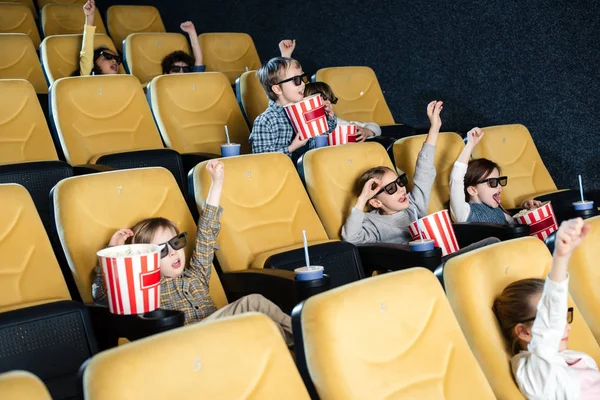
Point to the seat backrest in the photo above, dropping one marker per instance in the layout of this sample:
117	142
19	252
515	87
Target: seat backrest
65	19
267	208
448	147
17	18
28	3
43	3
30	274
331	174
60	54
384	348
251	96
89	209
19	60
248	349
144	52
360	96
473	281
96	115
191	111
512	147
125	20
585	277
229	53
24	134
19	385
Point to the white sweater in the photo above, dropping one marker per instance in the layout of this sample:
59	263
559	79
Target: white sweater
542	371
369	125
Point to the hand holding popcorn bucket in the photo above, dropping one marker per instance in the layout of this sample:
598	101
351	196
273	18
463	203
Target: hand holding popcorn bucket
343	134
131	278
308	117
436	227
541	220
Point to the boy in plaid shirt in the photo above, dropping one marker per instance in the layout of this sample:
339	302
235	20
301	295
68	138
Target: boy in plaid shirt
187	288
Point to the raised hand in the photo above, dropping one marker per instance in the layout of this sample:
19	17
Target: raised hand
474	136
433	112
89	9
119	237
216	169
286	47
569	236
188	27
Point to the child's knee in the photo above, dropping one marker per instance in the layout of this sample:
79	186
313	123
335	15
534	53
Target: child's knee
255	300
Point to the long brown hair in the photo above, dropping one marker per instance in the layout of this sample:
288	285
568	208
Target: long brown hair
145	229
514	305
376	172
478	170
319	88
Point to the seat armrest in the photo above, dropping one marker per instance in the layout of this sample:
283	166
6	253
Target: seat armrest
86	169
110	327
471	232
190	160
397	131
394	257
562	204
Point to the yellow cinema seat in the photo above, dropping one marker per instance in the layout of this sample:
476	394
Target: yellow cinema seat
20	385
66	19
251	96
19	60
229	53
18	18
125	20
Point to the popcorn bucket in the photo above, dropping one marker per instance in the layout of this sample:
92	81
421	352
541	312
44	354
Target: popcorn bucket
131	277
343	134
438	228
308	116
541	220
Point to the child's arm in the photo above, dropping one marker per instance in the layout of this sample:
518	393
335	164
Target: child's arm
286	48
366	130
265	138
459	207
531	204
425	169
189	28
354	230
86	55
208	224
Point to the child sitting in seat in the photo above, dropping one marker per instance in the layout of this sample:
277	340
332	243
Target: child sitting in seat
475	188
187	288
384	193
364	130
535	320
180	62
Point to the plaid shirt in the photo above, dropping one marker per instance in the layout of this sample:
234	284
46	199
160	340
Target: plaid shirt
272	131
188	292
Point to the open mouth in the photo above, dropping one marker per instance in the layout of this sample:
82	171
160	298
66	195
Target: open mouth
565	339
403	198
176	264
497	198
114	67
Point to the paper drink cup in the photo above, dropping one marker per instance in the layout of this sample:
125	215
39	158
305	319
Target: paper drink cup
421	245
583	205
343	134
131	277
541	220
308	116
437	227
308	274
321	141
230	150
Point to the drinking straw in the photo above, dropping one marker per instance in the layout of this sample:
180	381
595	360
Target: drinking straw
417	220
247	69
581	189
227	134
306	250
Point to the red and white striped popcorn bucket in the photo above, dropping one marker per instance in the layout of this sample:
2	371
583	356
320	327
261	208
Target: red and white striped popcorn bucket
308	116
542	221
131	277
437	227
343	134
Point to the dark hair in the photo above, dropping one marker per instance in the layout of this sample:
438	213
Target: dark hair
514	305
318	87
376	172
145	229
271	72
477	170
95	68
174	57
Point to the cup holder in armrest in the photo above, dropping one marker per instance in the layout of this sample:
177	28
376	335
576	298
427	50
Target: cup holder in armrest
306	289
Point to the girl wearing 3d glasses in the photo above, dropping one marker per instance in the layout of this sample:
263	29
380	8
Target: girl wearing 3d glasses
476	186
183	286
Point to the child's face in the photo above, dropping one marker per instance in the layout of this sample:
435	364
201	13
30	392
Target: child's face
108	62
390	203
288	92
172	265
484	193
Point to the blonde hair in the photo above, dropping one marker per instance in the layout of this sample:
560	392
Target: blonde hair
145	229
514	305
376	172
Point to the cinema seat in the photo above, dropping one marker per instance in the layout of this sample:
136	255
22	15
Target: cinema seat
20	61
17	18
60	54
473	280
229	53
361	99
19	385
125	20
267	209
248	349
251	96
43	3
65	19
144	52
512	147
363	341
28	3
191	111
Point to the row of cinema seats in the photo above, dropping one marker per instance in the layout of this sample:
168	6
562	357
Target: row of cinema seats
357	341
